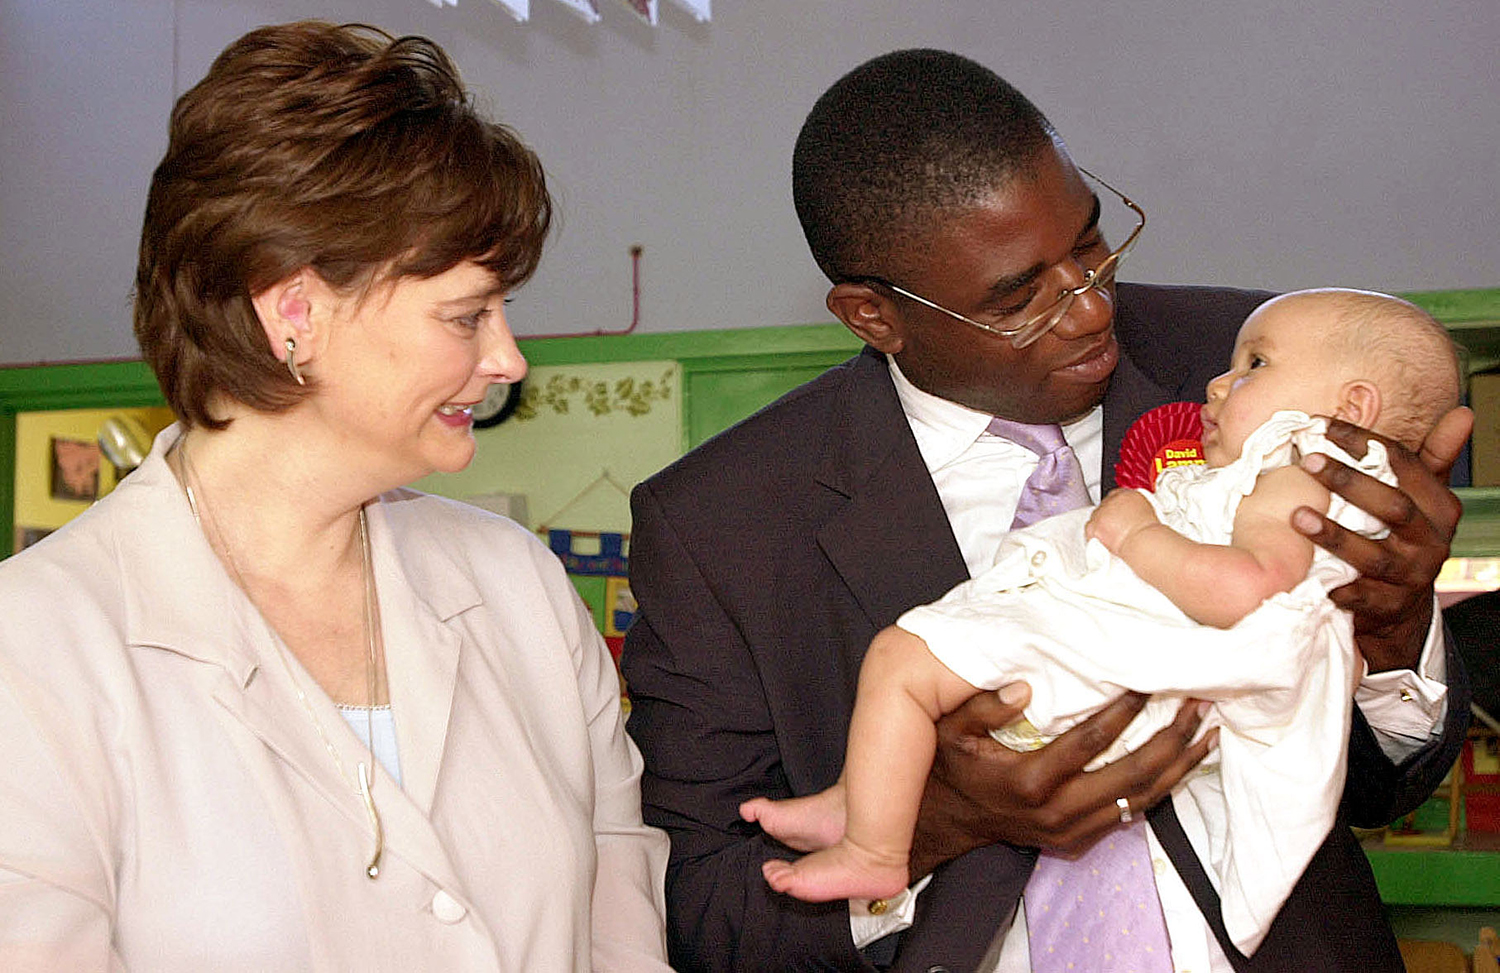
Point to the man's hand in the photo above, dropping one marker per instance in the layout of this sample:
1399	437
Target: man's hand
1392	598
981	791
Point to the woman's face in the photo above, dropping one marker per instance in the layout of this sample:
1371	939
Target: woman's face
403	366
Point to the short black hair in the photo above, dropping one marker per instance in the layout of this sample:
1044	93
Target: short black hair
896	143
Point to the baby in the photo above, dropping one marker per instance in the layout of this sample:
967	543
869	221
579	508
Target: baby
1229	606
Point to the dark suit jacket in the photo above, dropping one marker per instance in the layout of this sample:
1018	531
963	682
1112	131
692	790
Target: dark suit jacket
765	561
1474	627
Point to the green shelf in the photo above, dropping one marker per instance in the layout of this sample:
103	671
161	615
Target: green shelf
1457	876
1478	533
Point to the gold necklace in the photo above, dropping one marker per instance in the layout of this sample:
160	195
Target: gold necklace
188	475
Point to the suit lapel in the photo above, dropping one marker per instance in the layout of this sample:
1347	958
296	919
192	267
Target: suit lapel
886	511
890	507
1130	393
420	589
269	709
422	652
179	599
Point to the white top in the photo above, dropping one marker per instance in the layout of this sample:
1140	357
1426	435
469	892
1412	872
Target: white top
377	724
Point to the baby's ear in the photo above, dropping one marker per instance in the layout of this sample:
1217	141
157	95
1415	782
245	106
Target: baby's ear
1359	403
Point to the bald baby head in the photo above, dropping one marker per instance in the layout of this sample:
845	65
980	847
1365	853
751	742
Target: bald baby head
1393	343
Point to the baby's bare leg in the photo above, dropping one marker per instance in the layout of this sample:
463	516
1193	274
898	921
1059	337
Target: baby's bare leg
843	871
903	690
804	823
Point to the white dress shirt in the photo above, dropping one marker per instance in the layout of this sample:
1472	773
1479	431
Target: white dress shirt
979	478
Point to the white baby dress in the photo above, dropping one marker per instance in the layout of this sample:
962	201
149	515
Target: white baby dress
1080	627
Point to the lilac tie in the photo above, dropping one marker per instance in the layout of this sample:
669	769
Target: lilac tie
1056	485
1098	912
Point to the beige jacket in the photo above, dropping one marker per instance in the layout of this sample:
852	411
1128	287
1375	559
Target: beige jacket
166	802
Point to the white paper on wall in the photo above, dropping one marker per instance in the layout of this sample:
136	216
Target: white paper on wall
587	9
698	8
647	10
519	9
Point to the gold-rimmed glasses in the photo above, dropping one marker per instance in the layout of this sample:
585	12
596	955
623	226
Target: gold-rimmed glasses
1039	323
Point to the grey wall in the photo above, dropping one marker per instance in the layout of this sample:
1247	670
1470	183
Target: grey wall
1277	143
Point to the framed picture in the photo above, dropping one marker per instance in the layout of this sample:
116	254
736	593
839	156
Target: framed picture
75	469
619	606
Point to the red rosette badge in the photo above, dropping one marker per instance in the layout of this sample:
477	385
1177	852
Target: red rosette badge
1169	435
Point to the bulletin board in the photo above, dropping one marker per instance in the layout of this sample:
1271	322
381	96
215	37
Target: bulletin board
60	468
718	377
564	461
580	437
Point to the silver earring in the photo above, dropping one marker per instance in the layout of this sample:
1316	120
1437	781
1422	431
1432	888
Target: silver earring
291	361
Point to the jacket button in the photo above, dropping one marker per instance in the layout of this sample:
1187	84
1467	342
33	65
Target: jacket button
446	908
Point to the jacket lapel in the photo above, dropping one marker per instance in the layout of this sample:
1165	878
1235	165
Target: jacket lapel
885	510
1130	393
180	599
886	506
422	651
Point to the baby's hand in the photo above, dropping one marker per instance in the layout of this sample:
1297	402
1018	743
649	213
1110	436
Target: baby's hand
1119	515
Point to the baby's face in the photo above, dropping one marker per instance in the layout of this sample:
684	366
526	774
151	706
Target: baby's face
1282	360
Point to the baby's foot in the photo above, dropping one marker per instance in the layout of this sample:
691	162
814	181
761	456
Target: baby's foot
841	871
804	823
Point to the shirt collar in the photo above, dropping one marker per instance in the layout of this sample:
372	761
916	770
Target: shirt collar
944	430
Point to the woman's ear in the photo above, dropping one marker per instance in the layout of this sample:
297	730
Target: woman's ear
286	311
1359	403
869	314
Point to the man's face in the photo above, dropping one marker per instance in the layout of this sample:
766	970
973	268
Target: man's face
999	263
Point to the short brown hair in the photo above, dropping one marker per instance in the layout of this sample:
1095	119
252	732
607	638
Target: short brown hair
338	148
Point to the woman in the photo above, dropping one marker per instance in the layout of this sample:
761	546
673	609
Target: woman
278	714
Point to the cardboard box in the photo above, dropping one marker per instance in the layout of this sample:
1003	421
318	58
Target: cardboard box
1481	757
1484	399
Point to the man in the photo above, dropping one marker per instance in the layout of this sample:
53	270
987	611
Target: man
963	247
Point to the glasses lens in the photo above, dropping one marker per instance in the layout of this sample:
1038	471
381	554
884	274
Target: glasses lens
1119	225
1043	322
1105	272
1100	276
